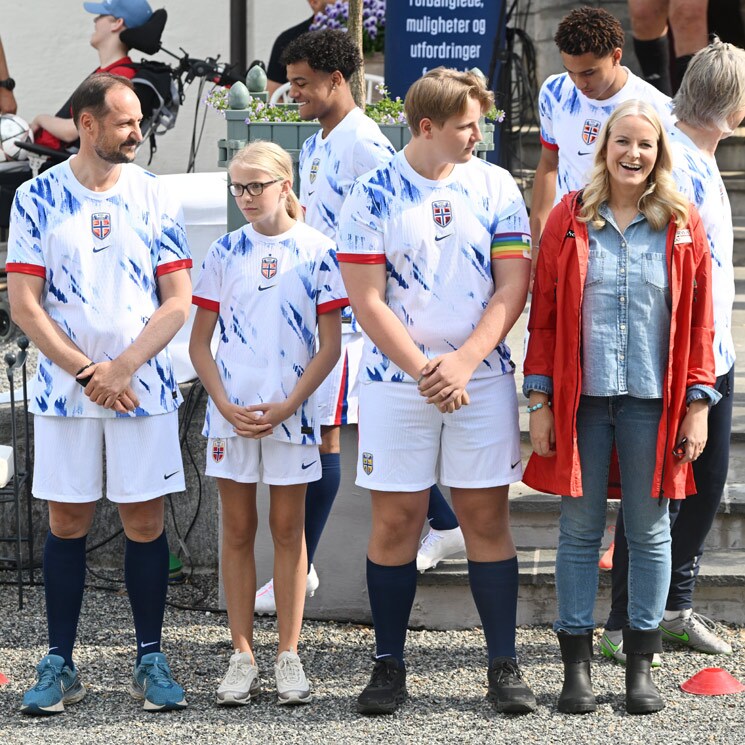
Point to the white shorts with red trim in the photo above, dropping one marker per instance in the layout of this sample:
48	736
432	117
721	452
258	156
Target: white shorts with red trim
274	462
337	396
406	444
143	458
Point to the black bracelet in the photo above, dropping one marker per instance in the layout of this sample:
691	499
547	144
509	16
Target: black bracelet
84	381
84	367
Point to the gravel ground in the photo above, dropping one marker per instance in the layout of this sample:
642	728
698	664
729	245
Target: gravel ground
447	684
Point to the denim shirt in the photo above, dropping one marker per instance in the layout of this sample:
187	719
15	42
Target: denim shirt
625	315
625	310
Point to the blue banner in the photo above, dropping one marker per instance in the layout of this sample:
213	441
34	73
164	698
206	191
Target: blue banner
422	34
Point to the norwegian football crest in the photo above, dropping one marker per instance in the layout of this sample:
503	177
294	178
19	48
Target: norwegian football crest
268	266
590	131
218	450
442	212
314	169
367	463
101	224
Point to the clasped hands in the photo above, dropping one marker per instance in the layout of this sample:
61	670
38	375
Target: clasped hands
109	385
442	381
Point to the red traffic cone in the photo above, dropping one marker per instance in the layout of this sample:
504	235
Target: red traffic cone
712	681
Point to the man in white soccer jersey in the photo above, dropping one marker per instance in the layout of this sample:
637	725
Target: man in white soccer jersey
349	144
98	279
435	253
574	105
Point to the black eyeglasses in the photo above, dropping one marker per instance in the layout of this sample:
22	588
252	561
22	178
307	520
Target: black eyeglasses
256	189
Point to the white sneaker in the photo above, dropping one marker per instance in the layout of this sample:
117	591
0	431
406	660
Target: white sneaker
241	683
292	685
438	545
264	604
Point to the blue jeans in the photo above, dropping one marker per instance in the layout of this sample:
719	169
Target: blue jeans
632	423
690	519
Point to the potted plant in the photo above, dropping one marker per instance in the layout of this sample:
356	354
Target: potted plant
281	123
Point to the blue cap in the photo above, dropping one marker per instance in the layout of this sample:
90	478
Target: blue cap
133	12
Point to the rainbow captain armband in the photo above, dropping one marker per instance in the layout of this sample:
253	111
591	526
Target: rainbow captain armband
510	246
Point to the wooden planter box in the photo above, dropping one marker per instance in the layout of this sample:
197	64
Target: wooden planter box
292	135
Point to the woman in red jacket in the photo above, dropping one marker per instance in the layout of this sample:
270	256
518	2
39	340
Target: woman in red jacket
619	356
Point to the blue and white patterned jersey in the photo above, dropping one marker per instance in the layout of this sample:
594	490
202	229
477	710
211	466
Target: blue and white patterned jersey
268	292
571	122
328	168
437	240
101	254
698	177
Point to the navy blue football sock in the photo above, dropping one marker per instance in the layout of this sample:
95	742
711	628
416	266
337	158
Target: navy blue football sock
494	590
439	513
64	580
146	578
319	499
391	591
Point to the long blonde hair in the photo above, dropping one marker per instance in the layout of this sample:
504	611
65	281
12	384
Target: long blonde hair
272	159
661	199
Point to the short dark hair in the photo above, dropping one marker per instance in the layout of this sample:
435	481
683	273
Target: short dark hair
326	51
589	31
90	95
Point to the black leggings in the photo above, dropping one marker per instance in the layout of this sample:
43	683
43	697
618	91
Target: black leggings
690	518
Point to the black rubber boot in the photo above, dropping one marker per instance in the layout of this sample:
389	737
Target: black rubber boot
642	697
576	694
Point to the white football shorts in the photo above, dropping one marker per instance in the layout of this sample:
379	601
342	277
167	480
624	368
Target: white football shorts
337	396
243	459
143	458
406	444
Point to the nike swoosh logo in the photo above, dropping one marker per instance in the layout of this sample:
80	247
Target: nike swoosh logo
589	152
168	476
613	647
311	193
307	465
515	464
98	249
440	237
266	287
680	637
149	644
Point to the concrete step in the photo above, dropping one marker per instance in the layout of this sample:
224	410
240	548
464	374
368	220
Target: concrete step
720	590
535	516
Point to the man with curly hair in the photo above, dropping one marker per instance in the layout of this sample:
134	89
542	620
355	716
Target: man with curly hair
349	144
574	105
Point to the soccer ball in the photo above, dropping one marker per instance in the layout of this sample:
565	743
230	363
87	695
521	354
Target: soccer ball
13	128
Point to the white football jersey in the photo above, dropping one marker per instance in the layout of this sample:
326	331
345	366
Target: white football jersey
101	254
698	177
328	168
437	240
571	122
268	292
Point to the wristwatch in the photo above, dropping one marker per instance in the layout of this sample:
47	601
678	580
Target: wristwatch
8	83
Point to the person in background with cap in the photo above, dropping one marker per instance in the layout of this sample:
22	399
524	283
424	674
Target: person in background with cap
111	18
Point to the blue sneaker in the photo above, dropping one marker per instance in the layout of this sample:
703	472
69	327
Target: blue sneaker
57	685
152	682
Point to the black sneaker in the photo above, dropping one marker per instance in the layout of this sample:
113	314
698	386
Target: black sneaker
507	689
386	690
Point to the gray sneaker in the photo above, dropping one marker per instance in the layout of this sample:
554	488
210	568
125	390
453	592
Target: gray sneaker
695	631
241	683
292	685
611	645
